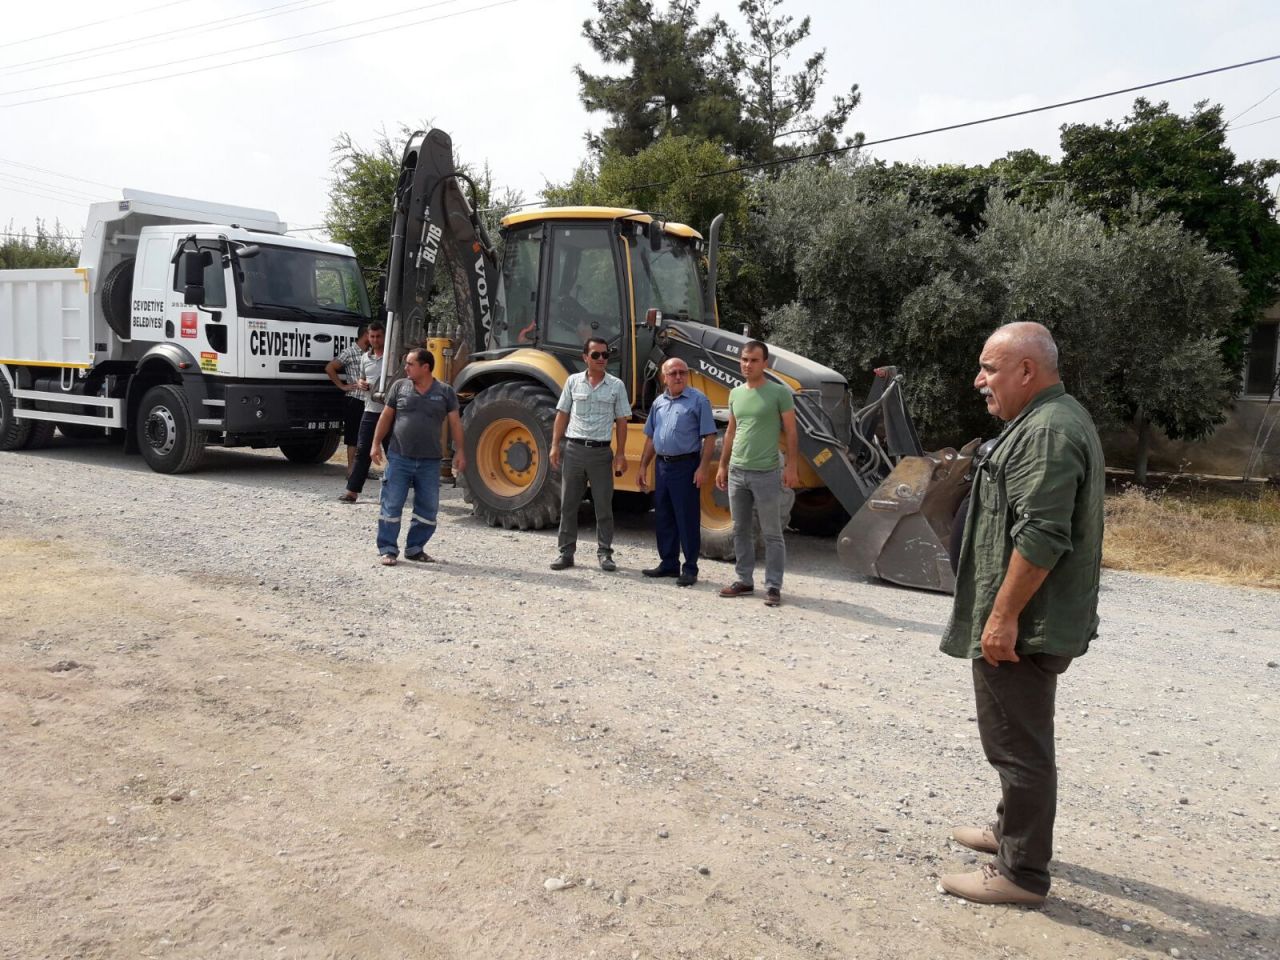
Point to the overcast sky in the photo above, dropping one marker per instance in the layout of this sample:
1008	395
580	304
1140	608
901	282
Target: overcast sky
498	76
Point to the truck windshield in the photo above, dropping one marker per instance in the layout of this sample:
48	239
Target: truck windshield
285	283
667	278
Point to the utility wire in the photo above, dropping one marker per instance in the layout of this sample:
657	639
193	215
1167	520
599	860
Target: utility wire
223	53
968	123
66	191
32	236
266	56
54	173
44	196
95	23
1254	123
132	43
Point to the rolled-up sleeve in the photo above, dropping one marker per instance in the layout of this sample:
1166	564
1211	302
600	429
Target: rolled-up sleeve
1041	481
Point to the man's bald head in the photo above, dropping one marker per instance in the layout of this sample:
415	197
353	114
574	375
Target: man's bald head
1018	361
1031	340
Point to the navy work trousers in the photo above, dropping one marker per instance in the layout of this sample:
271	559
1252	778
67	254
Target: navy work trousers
678	516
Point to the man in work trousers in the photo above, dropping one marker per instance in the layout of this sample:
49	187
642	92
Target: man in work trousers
680	434
593	406
1026	599
760	412
347	364
417	408
370	374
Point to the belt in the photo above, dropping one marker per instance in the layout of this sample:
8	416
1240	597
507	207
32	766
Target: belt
589	443
677	457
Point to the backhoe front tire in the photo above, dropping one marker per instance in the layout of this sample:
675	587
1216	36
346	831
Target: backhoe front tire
509	481
167	435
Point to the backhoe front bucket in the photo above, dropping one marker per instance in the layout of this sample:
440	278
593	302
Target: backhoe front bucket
901	533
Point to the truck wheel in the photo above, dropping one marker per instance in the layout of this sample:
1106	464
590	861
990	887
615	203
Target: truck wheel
167	436
117	287
818	512
509	480
313	449
41	434
13	432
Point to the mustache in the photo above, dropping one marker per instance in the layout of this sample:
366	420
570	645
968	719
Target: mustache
984	391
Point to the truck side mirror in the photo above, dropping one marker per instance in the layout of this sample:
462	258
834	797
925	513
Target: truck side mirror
193	264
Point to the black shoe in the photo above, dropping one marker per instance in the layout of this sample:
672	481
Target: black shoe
659	572
607	564
686	580
562	562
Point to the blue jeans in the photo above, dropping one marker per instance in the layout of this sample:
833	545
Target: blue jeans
424	476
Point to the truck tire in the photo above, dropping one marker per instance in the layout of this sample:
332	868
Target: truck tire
167	436
41	434
117	288
313	449
717	522
509	481
13	432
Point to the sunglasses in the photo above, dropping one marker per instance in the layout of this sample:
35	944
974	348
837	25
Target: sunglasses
677	373
599	354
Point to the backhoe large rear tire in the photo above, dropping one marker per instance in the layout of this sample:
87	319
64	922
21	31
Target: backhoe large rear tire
509	481
818	512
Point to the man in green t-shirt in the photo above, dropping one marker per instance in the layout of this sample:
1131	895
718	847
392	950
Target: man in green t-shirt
761	412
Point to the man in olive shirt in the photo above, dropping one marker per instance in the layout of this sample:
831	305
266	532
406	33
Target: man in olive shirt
1026	599
760	413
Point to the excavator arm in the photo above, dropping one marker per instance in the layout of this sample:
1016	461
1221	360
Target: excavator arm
435	227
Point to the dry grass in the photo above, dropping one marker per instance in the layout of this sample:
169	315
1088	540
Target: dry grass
1223	533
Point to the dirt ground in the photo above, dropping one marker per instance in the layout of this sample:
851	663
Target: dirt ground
228	732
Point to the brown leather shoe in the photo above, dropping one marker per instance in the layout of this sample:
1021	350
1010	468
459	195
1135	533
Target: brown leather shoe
982	839
737	589
988	885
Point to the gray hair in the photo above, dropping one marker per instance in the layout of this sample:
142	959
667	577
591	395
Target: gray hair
1031	340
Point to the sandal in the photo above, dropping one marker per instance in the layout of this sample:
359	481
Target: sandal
347	498
389	560
421	557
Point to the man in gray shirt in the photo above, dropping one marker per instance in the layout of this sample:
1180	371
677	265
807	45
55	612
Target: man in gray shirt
416	411
370	373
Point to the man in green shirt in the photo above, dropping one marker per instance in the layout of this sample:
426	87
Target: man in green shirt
1026	599
760	413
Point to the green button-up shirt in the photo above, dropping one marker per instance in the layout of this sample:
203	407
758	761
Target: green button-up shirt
1041	493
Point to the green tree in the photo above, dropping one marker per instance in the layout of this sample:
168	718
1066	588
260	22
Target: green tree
1181	166
20	250
680	78
778	107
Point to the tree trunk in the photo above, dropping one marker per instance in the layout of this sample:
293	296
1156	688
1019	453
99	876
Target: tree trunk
1143	449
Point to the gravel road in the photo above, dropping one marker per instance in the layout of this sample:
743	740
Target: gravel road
230	731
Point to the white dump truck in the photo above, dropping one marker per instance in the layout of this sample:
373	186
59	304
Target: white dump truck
186	324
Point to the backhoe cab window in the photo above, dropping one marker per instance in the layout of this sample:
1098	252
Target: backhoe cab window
585	298
515	320
282	283
668	278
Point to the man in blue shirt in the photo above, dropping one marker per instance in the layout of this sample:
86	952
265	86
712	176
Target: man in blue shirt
681	435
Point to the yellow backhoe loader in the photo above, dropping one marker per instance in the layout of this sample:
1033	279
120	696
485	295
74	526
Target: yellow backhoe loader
648	288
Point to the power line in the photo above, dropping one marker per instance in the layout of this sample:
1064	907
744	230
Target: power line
43	196
54	173
208	26
967	123
222	53
95	23
266	56
71	192
1254	123
31	236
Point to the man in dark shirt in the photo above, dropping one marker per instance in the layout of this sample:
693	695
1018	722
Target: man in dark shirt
1026	599
416	410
